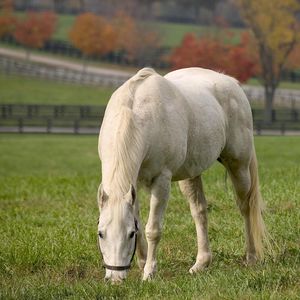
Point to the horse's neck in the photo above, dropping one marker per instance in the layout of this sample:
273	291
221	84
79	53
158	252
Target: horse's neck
119	179
126	149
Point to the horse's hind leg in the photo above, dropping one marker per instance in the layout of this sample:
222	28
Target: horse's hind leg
193	191
245	180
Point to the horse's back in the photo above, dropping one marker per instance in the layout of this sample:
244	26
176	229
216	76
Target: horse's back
222	94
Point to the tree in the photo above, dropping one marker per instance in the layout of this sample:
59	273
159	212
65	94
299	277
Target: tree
138	42
241	61
93	35
7	19
293	61
35	29
275	29
211	53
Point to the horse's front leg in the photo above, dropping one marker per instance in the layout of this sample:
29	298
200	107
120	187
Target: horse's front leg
160	191
193	190
141	243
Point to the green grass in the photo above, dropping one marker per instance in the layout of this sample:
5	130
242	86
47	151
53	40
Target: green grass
48	227
24	90
282	85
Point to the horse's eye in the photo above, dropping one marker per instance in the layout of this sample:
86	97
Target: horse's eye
131	235
100	235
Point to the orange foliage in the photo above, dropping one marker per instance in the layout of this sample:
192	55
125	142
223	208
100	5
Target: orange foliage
35	29
93	34
293	60
7	20
126	30
139	43
207	52
6	5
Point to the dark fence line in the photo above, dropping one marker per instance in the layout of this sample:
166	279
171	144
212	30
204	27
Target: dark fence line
87	119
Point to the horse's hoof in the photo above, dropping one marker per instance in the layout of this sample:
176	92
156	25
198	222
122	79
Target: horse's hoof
149	272
201	263
148	277
251	259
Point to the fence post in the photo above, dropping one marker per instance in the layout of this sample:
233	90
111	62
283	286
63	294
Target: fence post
76	126
258	128
282	128
273	115
3	109
294	115
49	125
20	125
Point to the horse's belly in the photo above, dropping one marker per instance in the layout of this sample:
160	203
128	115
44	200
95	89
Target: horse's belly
196	164
206	141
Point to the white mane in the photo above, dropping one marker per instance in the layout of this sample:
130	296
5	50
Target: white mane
122	151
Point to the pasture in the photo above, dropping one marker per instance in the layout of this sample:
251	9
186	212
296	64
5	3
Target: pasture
23	90
48	217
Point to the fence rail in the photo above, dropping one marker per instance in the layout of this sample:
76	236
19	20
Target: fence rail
12	66
88	118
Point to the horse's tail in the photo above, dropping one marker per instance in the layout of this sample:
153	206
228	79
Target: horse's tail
256	207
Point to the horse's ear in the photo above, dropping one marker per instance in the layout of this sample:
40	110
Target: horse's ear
131	195
102	196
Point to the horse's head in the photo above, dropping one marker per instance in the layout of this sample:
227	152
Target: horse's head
117	233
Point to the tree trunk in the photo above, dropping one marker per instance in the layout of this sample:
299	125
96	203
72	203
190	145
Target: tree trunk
81	6
197	12
269	97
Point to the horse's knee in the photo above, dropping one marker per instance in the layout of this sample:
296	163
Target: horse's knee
198	211
152	234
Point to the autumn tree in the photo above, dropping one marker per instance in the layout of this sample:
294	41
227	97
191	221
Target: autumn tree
209	52
93	35
274	26
293	61
7	18
139	43
35	29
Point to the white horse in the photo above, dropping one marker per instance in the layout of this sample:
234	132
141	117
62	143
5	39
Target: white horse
161	129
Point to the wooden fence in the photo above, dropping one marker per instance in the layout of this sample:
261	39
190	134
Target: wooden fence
12	66
84	119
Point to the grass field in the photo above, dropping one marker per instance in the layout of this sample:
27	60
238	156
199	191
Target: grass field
24	90
48	227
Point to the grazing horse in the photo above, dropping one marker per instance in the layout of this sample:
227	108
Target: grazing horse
161	129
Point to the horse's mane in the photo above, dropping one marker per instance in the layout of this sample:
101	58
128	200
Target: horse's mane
128	146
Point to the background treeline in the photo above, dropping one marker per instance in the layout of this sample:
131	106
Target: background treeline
122	32
188	11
